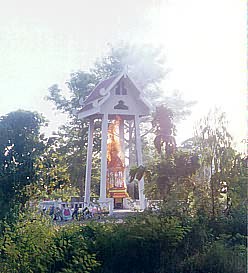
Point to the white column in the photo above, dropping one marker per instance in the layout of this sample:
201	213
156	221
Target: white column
140	161
122	143
104	157
89	162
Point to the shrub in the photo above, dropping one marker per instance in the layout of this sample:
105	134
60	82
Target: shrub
35	245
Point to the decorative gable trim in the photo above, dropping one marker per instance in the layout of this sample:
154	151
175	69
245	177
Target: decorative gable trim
101	93
146	102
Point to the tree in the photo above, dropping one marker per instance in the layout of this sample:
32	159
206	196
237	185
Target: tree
20	147
221	175
51	171
145	65
221	165
170	177
164	130
72	136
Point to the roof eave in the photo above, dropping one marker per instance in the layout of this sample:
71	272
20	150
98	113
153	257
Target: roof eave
88	113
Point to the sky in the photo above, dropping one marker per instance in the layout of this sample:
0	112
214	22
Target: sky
204	42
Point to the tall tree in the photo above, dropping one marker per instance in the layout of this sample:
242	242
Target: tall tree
164	130
170	176
20	146
145	65
219	160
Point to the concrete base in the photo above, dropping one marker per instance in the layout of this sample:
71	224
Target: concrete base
107	204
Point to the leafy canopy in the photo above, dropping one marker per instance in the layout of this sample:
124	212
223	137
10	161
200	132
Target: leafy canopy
20	146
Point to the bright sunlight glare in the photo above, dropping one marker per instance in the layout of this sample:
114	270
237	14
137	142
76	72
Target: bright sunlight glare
203	42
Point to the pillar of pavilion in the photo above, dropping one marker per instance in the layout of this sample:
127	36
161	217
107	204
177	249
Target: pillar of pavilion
116	101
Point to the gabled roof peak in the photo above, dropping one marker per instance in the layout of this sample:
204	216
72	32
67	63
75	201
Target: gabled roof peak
100	96
100	89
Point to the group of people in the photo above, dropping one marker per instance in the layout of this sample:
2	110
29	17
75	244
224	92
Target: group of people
66	214
82	214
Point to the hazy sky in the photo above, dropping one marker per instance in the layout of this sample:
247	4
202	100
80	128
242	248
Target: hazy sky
204	42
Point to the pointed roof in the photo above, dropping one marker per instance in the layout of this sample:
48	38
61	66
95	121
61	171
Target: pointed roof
99	92
100	95
95	94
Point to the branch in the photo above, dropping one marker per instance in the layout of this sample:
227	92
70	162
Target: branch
147	132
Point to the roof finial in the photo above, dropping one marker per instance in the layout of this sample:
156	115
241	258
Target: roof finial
125	70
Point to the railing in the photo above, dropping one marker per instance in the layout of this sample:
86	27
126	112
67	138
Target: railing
132	204
105	206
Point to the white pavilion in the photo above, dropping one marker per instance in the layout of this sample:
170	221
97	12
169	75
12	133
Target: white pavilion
115	101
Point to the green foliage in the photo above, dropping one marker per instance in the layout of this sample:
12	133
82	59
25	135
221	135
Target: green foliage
72	252
213	245
151	242
51	170
73	135
137	173
80	84
142	244
34	245
166	242
164	130
27	245
145	65
221	166
20	146
171	179
181	236
217	258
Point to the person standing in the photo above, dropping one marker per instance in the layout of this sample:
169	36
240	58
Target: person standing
75	213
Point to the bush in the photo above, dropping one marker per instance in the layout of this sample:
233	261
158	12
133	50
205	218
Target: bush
35	245
143	244
217	258
151	242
